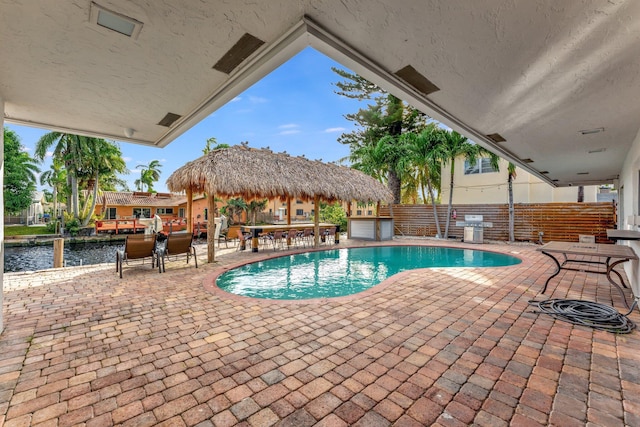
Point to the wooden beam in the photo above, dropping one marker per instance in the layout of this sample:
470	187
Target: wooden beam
189	210
211	227
316	221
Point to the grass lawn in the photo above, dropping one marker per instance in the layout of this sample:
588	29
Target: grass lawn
22	230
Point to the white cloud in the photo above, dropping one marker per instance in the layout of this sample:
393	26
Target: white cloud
24	149
332	130
257	100
289	126
289	132
236	99
127	159
49	154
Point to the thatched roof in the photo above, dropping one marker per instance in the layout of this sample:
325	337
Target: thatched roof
240	171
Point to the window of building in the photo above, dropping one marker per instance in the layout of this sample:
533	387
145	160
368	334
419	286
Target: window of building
299	212
164	211
483	165
299	202
181	213
359	212
369	213
206	214
142	212
110	213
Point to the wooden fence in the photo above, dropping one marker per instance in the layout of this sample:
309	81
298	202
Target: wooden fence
557	221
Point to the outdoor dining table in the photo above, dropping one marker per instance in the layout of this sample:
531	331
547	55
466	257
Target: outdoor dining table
255	231
577	256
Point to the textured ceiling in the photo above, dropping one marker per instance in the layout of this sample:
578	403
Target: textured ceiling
534	72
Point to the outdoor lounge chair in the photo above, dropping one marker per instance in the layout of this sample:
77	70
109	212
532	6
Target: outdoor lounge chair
137	247
177	244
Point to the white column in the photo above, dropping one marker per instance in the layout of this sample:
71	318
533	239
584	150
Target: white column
1	212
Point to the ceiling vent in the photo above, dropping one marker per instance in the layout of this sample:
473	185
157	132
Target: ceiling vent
597	150
496	137
526	160
238	53
417	80
169	119
582	173
108	21
591	131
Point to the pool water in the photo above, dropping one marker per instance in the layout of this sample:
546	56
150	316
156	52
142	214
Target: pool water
341	272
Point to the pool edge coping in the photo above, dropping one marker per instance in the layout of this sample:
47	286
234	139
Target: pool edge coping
209	282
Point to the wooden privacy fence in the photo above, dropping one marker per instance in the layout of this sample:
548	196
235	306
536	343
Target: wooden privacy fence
557	221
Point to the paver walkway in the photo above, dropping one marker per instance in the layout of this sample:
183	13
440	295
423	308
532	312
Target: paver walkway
450	347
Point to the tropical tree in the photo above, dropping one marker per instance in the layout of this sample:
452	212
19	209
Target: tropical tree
511	171
212	144
254	207
102	159
427	153
67	149
455	145
235	207
55	177
148	175
19	175
388	117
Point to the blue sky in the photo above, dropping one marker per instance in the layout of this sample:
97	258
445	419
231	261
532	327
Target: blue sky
293	109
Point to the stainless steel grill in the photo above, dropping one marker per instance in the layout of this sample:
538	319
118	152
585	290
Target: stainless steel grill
473	228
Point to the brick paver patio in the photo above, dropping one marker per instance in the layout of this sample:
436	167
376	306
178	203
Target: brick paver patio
450	347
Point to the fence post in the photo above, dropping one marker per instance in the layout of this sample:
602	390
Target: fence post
58	252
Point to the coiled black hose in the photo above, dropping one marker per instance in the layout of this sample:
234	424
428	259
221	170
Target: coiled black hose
586	313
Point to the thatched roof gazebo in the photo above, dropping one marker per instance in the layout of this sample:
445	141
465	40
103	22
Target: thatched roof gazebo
251	173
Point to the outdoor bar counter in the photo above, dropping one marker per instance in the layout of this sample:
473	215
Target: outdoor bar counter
376	228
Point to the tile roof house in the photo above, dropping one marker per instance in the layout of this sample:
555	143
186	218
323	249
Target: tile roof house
125	205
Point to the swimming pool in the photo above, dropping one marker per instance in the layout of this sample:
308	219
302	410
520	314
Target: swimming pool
347	271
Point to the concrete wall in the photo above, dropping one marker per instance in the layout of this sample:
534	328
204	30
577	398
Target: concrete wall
1	213
628	205
492	187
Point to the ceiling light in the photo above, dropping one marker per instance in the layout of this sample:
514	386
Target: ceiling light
128	132
590	131
107	19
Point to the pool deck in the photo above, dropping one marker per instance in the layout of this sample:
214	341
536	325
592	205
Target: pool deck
445	346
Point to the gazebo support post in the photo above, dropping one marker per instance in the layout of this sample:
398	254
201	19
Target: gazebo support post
211	227
288	219
316	221
189	192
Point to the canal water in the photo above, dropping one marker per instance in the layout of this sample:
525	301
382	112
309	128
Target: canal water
34	258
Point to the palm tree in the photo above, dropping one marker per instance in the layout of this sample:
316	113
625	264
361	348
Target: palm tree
55	178
511	170
102	159
67	150
254	207
149	174
236	207
455	145
427	153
